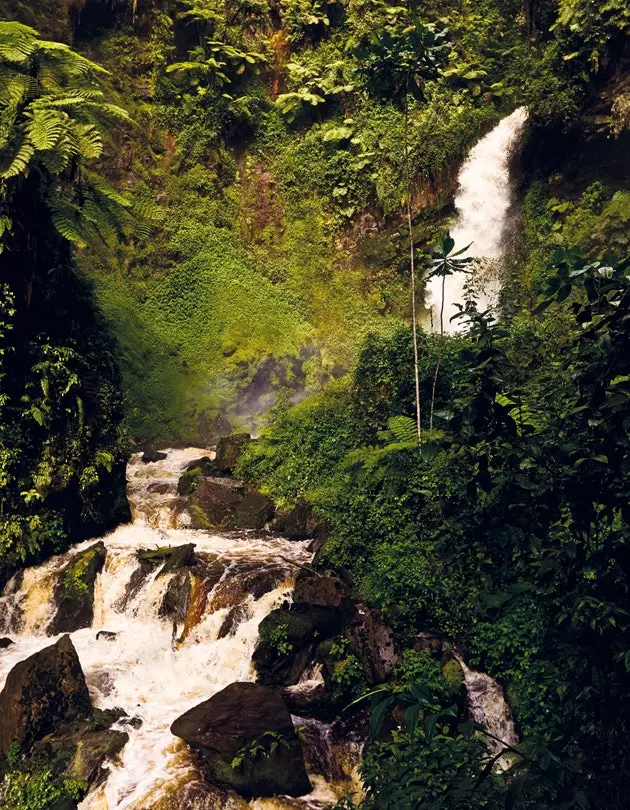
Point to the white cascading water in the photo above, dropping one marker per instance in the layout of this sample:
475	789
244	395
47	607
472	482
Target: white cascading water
482	203
151	669
487	705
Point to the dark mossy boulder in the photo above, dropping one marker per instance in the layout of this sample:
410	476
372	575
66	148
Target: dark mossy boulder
213	505
41	693
74	593
151	456
235	616
80	751
287	640
372	641
326	591
229	730
300	523
106	635
188	481
229	450
254	511
172	558
205	465
176	599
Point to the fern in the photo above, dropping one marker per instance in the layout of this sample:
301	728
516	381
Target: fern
52	119
403	429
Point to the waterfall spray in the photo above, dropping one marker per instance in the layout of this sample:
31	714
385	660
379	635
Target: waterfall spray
482	203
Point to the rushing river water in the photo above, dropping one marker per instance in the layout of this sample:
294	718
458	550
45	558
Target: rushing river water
152	668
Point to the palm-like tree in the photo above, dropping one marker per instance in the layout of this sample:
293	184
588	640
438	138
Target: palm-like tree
52	119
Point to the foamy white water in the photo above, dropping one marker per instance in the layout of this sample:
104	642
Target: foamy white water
152	669
487	705
483	202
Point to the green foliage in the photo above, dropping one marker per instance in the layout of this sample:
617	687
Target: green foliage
263	747
278	639
52	115
39	790
511	538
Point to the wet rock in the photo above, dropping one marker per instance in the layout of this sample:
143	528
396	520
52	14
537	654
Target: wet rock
172	557
5	642
229	450
428	642
205	465
40	693
314	589
372	642
308	700
106	635
188	482
159	487
300	523
213	505
236	615
74	593
79	751
177	598
151	456
226	728
254	511
287	640
134	722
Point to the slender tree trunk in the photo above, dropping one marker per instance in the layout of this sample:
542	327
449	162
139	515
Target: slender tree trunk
442	307
435	379
412	264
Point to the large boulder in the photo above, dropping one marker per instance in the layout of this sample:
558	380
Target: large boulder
229	450
315	589
221	504
287	640
213	505
246	738
372	641
300	523
151	456
42	692
254	511
74	593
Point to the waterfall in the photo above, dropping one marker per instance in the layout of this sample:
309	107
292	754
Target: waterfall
487	705
482	203
145	665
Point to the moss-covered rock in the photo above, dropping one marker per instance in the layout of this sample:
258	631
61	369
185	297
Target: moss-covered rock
229	450
246	738
300	523
172	558
40	693
254	511
213	505
74	593
287	641
325	591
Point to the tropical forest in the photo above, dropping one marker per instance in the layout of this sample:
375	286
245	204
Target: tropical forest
314	405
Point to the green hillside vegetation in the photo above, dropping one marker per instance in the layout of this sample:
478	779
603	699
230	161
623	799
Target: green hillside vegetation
203	227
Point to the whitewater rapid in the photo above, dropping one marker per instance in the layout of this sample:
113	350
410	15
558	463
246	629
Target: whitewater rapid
152	669
482	203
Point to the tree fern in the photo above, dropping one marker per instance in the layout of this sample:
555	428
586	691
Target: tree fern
52	119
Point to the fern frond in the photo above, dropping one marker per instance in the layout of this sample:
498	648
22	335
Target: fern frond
18	163
403	429
17	43
44	128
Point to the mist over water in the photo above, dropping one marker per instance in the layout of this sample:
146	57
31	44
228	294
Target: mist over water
483	203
